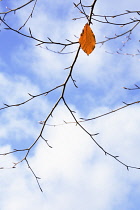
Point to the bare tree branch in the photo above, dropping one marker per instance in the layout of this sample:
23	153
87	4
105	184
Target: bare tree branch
133	22
18	8
91	136
30	16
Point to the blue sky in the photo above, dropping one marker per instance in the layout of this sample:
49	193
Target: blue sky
75	173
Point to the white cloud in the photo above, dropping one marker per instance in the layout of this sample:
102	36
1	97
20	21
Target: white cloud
75	173
23	119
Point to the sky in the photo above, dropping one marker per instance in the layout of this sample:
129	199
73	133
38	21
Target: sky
75	173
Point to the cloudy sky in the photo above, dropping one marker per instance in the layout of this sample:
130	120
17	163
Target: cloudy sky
75	173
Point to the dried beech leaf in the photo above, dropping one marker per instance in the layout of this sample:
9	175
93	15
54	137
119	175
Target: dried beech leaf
87	40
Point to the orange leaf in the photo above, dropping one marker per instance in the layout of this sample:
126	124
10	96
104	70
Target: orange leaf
87	40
